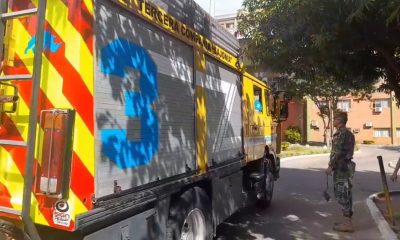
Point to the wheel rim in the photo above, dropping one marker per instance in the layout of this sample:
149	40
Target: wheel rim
194	226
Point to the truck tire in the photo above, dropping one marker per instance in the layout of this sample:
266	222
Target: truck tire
265	199
190	216
9	232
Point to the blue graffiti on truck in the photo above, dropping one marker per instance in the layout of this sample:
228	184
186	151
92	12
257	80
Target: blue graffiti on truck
49	43
116	57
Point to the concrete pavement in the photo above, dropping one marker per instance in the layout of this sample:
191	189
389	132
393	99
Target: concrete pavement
299	211
385	229
360	220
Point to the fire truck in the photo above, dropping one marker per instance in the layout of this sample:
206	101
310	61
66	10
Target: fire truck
128	119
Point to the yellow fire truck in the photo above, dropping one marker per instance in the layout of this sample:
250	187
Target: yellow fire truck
126	119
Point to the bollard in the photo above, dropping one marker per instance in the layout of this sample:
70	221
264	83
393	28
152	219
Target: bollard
386	190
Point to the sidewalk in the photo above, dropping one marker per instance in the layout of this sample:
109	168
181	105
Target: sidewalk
364	225
377	207
367	220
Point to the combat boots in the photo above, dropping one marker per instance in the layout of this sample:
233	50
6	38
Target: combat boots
345	226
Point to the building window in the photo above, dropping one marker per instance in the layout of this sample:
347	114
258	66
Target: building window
344	105
322	103
398	132
229	25
383	103
381	132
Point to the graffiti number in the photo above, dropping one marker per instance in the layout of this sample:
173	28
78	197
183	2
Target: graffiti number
115	58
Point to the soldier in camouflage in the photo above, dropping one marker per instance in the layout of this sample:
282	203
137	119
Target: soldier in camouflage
343	168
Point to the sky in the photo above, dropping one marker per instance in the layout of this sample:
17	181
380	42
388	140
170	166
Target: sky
221	6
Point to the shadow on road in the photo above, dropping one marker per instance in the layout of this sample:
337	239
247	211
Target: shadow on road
299	211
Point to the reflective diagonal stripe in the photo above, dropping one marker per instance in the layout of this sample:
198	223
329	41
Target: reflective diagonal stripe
82	101
57	73
79	170
85	138
11	179
67	82
5	200
25	88
76	52
5	196
84	145
82	182
89	6
82	20
14	179
77	204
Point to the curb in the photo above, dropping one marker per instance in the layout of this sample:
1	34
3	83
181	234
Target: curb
310	155
382	224
305	156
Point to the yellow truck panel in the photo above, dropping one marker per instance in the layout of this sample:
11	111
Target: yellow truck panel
257	117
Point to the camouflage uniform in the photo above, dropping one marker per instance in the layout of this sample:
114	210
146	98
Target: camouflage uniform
343	168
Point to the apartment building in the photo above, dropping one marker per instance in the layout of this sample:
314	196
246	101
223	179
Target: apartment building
230	22
376	120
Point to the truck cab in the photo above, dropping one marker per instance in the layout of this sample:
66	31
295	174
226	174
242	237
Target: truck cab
257	117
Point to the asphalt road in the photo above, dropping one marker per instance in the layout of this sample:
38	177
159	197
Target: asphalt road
299	211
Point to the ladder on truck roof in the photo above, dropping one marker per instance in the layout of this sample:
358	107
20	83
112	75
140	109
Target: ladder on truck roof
40	11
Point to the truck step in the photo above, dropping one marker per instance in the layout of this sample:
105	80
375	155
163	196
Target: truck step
13	143
15	77
18	14
10	211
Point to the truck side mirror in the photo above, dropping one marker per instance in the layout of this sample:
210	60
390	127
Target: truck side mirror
280	109
276	108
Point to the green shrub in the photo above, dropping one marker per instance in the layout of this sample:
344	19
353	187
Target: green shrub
293	134
368	142
285	145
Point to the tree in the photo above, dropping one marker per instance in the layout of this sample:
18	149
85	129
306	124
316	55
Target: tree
325	95
349	43
392	11
385	40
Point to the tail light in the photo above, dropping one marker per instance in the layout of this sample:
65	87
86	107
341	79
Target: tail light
56	151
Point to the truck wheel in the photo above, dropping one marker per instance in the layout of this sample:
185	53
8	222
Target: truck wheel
265	198
9	232
190	216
